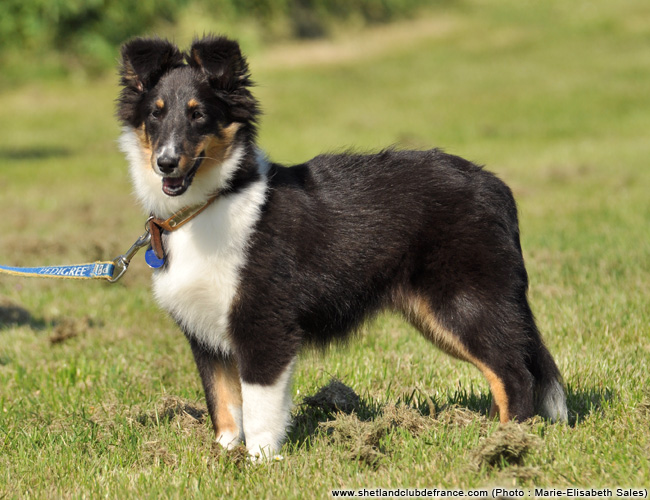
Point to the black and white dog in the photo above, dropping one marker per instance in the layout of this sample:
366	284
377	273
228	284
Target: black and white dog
277	257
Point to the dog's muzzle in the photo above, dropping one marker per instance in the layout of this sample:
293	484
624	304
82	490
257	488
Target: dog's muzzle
174	182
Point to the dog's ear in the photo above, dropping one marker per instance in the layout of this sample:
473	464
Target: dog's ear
221	60
144	62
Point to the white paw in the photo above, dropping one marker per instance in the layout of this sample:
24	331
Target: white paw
261	449
229	440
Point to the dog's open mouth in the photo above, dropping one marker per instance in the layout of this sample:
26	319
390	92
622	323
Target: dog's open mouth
176	186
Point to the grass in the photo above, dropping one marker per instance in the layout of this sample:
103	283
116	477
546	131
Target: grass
98	392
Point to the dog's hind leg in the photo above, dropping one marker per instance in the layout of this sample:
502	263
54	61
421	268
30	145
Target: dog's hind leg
550	397
498	350
220	378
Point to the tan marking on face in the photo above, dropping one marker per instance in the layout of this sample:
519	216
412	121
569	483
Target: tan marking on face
147	147
216	149
145	142
228	391
160	104
192	103
419	313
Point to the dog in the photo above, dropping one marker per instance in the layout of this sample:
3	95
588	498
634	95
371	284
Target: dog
278	257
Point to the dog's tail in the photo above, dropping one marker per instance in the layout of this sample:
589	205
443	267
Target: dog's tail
550	396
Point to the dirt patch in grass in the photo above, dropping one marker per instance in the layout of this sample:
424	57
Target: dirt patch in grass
365	439
174	410
69	328
236	457
181	413
355	425
361	428
459	416
509	445
361	439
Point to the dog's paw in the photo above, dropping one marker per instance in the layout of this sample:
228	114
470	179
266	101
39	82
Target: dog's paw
262	452
229	440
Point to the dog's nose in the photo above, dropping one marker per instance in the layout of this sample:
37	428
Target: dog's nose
167	163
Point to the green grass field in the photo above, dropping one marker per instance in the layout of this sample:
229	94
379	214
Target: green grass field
98	391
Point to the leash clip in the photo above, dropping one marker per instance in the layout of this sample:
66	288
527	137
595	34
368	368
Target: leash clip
122	262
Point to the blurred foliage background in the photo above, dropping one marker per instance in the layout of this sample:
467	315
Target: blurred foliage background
82	36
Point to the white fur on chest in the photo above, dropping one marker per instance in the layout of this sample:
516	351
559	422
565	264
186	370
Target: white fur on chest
206	257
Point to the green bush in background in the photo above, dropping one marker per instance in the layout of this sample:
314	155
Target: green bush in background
86	33
87	29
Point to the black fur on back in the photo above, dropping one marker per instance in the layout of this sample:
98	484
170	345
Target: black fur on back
342	234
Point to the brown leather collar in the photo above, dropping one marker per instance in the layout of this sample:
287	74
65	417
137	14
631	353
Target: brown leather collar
179	219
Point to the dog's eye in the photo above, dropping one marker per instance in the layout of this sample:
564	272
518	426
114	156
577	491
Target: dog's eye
196	115
156	113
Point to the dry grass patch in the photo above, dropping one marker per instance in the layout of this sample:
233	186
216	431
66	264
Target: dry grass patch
509	445
175	410
364	439
69	328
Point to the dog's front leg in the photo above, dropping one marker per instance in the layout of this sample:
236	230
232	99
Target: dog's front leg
267	409
220	378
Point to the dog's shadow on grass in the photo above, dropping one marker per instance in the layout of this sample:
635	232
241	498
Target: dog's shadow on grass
60	329
336	398
13	315
584	402
581	403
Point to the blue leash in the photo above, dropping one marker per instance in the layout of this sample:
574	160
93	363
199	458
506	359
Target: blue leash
96	270
108	270
115	269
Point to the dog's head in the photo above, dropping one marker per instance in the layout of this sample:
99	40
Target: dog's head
187	115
